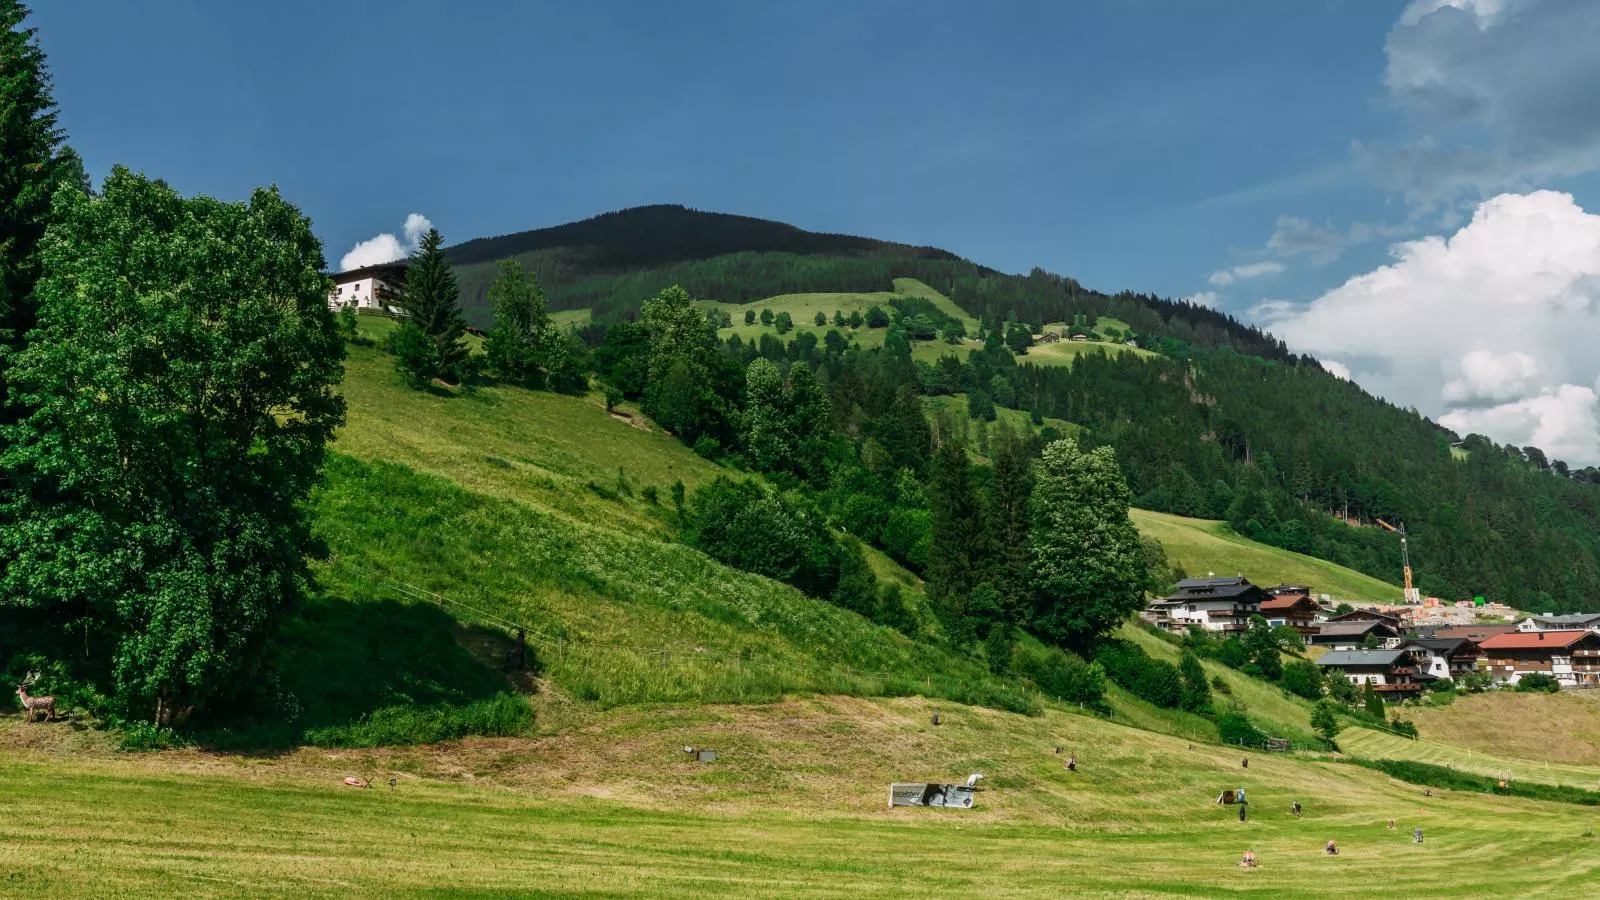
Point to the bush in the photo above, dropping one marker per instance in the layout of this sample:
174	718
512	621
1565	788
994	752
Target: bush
1220	685
753	527
1234	727
707	446
1061	675
1402	727
1538	682
1154	681
1303	678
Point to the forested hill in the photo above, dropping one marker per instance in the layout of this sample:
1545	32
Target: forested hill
1222	422
610	263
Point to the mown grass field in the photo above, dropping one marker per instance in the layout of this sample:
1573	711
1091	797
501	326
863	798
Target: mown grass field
1560	728
1203	546
794	806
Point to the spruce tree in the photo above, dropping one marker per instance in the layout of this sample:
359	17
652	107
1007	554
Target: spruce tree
1012	485
955	556
432	302
29	143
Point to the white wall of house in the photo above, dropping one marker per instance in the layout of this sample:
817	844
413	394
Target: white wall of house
1198	613
360	293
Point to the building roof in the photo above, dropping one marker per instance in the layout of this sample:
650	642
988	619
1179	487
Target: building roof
396	269
1342	658
1476	633
1363	615
1535	640
1191	589
1443	646
1286	602
1575	620
1352	629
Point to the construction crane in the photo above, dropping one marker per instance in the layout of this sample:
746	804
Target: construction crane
1413	595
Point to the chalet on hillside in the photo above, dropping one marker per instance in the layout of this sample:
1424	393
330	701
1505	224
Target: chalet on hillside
1292	604
1571	657
1351	635
1574	622
1212	604
1078	337
369	287
1050	337
1443	657
1392	673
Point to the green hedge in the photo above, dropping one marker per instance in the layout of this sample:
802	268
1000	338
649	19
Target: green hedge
1444	777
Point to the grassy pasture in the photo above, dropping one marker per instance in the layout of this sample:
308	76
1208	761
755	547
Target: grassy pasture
1203	545
793	807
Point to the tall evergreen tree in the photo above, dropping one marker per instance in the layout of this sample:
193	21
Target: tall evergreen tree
956	556
30	141
1009	536
1088	567
432	303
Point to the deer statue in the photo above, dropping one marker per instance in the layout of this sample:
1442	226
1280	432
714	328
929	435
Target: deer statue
30	704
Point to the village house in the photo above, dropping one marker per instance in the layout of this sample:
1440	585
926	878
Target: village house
369	287
1392	673
1443	657
1212	604
1293	605
1352	635
1079	337
1571	657
1573	622
1050	337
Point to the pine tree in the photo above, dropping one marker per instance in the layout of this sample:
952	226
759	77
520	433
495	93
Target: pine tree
29	144
1011	487
1196	692
955	557
432	303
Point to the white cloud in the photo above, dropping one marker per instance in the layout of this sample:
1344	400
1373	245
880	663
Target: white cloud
1247	272
1493	328
1268	312
1204	298
386	247
1499	95
1336	369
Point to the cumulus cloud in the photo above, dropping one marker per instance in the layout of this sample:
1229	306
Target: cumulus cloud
1336	369
1499	95
1204	298
386	247
1246	272
1492	329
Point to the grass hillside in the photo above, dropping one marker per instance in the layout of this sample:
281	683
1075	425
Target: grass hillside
1203	545
794	806
1558	728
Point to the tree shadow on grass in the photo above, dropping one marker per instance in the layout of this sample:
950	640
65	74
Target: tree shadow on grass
368	672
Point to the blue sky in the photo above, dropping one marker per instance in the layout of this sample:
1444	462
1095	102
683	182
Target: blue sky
1256	153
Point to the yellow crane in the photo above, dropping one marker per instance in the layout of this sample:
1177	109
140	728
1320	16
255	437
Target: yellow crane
1413	596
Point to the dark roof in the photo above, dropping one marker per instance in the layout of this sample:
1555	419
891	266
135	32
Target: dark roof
1350	629
1360	615
1574	620
1445	646
1341	658
1217	589
396	269
1474	633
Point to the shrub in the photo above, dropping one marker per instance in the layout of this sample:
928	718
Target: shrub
1324	720
1153	680
753	527
1402	727
1220	685
502	715
1234	727
1303	678
1453	779
707	446
1538	682
1062	675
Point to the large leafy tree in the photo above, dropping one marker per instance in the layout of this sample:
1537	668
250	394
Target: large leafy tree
180	393
432	303
764	421
31	160
680	392
1088	568
521	319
